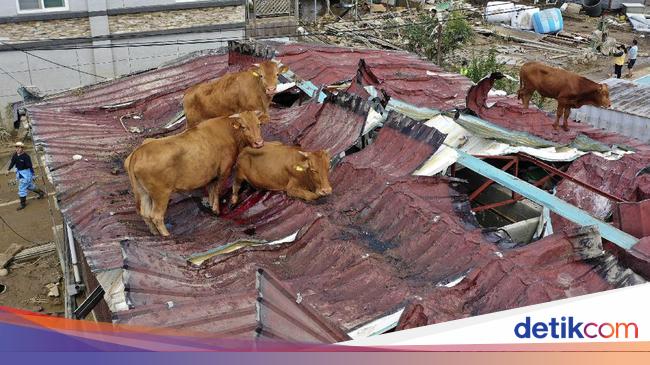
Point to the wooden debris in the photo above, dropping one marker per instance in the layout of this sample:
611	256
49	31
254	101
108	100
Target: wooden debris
32	253
9	254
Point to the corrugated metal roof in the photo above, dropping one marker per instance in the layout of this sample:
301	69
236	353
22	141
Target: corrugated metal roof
382	239
282	315
629	114
614	177
629	97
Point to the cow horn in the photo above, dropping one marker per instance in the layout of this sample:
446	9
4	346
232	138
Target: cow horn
234	116
276	61
305	154
256	64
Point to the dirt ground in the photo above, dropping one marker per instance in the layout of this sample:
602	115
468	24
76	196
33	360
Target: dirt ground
26	282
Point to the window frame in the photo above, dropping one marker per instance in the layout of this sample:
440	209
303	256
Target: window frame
43	9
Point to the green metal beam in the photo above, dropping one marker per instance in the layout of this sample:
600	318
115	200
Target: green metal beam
550	201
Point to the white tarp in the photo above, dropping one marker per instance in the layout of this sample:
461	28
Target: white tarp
462	139
639	22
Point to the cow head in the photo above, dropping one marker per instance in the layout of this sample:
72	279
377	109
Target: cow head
268	71
248	124
603	96
316	166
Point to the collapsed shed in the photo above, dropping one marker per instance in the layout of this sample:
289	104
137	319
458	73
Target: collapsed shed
384	239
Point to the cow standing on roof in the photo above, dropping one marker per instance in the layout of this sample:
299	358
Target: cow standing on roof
232	93
192	159
569	89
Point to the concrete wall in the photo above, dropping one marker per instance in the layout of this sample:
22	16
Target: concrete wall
50	78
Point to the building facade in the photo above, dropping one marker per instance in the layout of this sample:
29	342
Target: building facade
56	45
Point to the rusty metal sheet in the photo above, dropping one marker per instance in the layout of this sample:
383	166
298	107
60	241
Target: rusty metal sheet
283	315
633	218
382	239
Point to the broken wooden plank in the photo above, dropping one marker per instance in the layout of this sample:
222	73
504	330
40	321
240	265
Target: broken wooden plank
9	254
32	253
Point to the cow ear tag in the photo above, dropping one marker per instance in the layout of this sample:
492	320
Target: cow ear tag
299	168
256	74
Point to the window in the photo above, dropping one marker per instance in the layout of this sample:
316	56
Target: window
25	6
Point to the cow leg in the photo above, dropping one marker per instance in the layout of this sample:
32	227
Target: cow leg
147	213
160	201
236	184
567	111
525	98
558	114
300	193
144	205
217	186
213	196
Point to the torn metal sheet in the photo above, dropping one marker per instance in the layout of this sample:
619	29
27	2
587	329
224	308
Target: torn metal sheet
539	196
378	326
283	314
464	140
200	258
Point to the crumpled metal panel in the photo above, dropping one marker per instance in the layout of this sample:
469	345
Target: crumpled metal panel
633	218
282	315
614	177
415	81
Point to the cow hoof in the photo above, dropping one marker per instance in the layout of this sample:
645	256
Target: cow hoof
566	129
555	127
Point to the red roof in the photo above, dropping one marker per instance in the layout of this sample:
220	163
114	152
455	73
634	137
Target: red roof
382	239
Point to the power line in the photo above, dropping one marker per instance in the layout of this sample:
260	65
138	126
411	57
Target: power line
50	61
18	234
8	74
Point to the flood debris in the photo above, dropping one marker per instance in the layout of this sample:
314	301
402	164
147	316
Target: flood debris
53	290
8	255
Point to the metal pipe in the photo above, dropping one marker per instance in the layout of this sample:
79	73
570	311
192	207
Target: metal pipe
73	255
571	178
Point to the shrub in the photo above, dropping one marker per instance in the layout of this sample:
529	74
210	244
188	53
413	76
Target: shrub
422	37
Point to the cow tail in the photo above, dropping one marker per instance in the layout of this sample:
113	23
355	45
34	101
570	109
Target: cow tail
138	191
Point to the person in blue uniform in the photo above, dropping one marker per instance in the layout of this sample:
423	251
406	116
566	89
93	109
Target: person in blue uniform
24	174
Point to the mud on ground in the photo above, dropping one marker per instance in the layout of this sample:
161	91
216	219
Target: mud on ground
26	282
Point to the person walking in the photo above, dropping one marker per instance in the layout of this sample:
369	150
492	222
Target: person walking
24	174
631	56
619	60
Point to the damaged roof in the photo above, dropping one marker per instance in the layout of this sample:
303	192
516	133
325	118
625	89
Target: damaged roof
383	239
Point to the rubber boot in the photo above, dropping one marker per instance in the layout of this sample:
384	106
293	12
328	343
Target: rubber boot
23	203
40	193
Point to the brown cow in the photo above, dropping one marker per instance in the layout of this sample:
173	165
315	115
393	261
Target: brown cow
232	93
278	167
569	89
186	161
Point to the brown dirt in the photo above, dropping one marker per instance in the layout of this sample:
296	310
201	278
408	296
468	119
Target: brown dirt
26	281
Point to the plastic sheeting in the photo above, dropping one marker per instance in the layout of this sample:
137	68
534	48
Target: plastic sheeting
639	22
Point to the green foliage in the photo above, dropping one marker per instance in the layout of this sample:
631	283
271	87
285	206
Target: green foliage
456	33
422	37
483	64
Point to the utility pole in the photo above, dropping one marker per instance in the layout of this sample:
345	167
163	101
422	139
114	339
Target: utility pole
439	52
